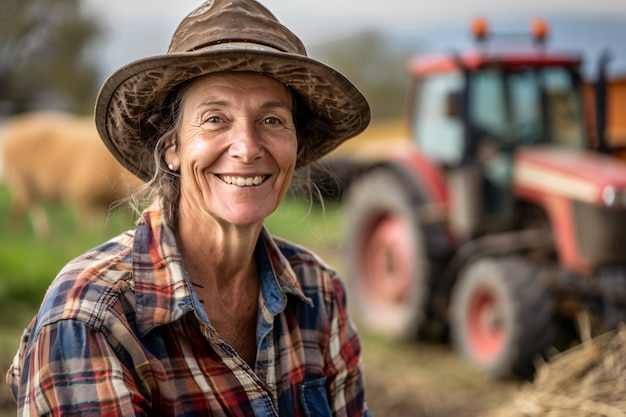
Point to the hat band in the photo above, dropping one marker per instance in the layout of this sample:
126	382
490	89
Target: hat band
238	45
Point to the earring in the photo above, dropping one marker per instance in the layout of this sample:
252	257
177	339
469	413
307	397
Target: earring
171	167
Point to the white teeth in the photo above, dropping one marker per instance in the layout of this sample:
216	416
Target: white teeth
243	182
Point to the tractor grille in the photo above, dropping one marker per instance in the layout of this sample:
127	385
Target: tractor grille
601	233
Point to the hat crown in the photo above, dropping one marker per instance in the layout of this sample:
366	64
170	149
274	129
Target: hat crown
225	21
223	36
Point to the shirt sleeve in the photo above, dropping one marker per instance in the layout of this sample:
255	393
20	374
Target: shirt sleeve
71	369
343	365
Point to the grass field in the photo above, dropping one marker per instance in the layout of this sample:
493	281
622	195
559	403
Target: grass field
29	264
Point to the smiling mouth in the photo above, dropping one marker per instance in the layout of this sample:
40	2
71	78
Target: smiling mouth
243	181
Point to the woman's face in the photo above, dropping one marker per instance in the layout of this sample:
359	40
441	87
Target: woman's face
237	147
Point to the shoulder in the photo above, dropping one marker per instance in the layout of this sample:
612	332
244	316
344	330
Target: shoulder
86	288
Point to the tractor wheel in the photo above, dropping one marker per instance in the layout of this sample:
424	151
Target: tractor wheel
501	316
386	261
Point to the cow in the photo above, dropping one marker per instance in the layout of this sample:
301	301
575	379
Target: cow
52	156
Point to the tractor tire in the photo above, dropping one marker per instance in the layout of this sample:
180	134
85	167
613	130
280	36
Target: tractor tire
501	316
387	265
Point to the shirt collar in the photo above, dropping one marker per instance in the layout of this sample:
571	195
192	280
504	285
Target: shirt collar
162	286
276	274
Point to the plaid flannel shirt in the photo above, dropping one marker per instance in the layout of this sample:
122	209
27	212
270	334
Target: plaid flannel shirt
121	332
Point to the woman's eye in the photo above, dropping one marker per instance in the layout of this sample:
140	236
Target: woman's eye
213	119
271	121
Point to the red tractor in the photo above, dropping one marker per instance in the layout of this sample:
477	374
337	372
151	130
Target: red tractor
498	222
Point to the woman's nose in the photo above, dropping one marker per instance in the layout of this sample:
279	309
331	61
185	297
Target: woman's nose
245	142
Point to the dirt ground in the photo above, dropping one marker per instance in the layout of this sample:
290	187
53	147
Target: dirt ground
402	380
427	380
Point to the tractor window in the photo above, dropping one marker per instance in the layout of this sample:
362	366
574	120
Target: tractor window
526	105
487	106
563	107
545	106
437	124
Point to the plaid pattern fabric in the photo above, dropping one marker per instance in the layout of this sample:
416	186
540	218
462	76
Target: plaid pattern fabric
121	332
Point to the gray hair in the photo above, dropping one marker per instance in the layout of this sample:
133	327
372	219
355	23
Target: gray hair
161	128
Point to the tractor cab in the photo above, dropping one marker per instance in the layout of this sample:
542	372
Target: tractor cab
471	112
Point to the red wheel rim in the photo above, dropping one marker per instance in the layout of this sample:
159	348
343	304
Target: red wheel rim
387	261
485	325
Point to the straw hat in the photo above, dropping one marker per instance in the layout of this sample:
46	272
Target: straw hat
220	35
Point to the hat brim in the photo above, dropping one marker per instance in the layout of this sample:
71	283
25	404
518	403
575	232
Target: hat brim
338	108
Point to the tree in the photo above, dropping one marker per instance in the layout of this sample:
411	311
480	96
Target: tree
42	59
375	65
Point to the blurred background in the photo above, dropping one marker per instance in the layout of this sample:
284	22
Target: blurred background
54	55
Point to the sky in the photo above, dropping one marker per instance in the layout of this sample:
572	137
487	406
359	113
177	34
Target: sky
313	20
139	28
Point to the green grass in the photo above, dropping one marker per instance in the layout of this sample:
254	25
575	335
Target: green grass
28	264
318	228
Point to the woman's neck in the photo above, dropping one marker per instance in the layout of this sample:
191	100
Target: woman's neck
216	254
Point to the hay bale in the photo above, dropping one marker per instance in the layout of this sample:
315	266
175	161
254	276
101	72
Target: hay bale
588	380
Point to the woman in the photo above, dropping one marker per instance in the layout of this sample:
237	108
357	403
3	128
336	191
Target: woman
199	311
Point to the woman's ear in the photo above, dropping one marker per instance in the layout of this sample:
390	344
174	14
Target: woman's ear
171	154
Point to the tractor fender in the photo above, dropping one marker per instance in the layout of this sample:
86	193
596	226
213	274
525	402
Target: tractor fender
425	173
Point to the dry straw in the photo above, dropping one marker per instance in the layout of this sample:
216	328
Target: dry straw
588	380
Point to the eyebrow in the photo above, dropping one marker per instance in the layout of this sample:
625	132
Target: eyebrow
274	104
265	105
212	103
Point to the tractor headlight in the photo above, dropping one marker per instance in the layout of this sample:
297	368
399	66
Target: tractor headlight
613	197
